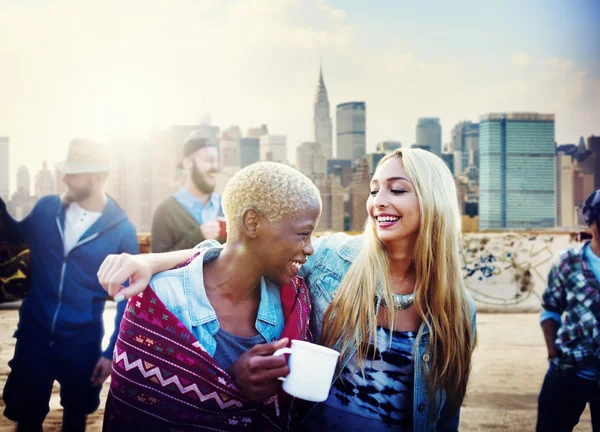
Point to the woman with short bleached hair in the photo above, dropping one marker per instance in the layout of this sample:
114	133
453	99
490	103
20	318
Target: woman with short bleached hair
186	337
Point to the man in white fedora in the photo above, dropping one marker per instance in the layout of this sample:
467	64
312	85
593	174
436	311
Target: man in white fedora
60	328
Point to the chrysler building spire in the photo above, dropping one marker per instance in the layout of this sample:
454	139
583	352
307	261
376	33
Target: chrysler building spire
322	118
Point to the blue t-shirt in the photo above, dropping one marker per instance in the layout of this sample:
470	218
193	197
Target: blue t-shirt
230	347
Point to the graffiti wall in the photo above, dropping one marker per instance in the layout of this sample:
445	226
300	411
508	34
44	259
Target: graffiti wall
508	271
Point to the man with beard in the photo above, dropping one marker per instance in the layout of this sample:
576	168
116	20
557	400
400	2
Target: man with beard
60	330
190	216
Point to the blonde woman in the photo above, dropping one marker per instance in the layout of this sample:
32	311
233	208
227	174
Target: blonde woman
392	301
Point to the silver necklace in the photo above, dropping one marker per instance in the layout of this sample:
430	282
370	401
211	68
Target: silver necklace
401	301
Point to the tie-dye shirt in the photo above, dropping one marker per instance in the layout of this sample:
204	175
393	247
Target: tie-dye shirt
382	400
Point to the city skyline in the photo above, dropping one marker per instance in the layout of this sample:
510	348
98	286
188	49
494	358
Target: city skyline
403	61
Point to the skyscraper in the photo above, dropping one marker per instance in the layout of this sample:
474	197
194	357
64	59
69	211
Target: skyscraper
372	161
332	200
257	132
358	190
351	129
565	200
4	182
465	146
249	151
44	183
310	160
429	134
593	145
23	180
273	148
388	146
322	119
584	164
517	187
341	168
449	159
229	147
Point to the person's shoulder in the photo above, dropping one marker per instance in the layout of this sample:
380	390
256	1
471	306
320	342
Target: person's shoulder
128	229
339	240
119	218
335	251
48	201
209	244
343	244
167	281
568	256
169	287
48	205
167	203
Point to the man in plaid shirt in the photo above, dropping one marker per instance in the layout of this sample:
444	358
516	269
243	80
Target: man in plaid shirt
570	321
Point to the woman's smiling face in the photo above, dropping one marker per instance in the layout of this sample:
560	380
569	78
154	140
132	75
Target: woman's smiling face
393	203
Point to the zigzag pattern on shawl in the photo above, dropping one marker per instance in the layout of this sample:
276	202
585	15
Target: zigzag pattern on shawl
239	421
154	371
231	391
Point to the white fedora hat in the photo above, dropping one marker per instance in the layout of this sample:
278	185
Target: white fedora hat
84	156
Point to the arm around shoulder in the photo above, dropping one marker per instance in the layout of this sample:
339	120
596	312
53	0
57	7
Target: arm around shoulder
130	245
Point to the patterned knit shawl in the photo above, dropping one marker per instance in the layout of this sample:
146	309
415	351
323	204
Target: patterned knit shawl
163	379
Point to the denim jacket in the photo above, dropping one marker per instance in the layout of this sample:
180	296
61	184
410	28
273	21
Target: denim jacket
183	293
323	273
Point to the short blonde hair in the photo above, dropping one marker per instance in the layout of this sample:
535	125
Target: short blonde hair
273	189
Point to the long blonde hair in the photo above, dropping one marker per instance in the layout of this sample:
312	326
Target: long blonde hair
439	296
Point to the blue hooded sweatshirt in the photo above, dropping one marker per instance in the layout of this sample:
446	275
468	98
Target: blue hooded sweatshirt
65	299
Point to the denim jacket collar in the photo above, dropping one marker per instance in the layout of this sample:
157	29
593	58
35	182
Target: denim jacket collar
201	310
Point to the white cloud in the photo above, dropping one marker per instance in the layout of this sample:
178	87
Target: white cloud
521	59
338	14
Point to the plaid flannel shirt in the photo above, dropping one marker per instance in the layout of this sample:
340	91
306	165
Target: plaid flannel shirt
574	293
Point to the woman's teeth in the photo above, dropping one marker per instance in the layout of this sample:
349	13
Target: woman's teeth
387	218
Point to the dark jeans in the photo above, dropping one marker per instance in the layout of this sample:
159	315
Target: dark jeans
34	368
563	399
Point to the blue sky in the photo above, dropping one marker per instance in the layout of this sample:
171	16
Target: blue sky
109	69
549	27
483	30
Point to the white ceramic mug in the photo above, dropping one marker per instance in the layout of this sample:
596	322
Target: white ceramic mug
311	370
